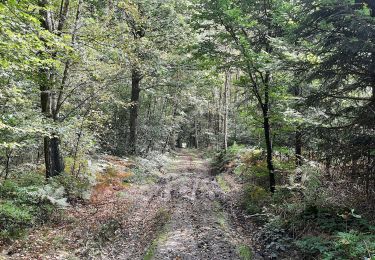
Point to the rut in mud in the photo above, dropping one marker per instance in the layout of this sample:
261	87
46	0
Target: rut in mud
180	217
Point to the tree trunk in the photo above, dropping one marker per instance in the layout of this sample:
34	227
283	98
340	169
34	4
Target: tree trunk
298	148
196	141
225	121
267	133
53	159
8	155
133	120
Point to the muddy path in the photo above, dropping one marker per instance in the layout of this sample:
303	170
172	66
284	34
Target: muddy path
181	216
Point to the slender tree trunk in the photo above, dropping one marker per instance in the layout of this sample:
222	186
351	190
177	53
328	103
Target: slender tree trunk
52	155
270	166
219	118
196	141
133	119
7	163
267	133
226	108
298	148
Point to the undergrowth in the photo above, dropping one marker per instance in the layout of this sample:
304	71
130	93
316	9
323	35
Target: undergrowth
302	216
28	200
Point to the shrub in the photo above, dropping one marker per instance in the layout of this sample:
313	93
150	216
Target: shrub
245	252
343	245
255	198
253	167
30	179
75	188
354	245
314	245
223	158
23	207
13	219
275	239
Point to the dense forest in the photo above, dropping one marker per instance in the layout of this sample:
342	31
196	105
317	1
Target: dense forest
187	129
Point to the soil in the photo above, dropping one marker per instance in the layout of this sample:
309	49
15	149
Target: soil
184	214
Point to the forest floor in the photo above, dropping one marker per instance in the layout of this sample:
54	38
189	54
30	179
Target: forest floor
184	213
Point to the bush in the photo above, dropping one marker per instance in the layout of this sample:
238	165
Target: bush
22	207
312	246
223	158
14	219
275	239
255	198
30	179
354	245
343	245
253	167
75	188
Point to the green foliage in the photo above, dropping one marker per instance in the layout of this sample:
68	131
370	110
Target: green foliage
222	183
314	245
255	198
343	245
27	203
224	158
29	179
252	167
245	252
275	239
13	220
75	188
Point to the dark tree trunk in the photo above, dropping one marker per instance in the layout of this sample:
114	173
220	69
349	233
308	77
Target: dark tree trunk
53	159
133	120
196	140
267	135
179	141
267	131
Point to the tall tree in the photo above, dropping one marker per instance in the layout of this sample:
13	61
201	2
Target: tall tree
338	37
248	26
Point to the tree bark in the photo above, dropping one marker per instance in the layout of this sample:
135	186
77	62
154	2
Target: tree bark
133	119
226	108
8	155
53	159
298	148
196	141
267	133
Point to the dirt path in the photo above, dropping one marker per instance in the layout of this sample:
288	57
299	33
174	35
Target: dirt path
179	217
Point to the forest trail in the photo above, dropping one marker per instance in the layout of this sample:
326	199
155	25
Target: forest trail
180	217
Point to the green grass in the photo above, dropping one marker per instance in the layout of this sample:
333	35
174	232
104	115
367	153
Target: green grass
151	250
223	183
163	216
244	252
